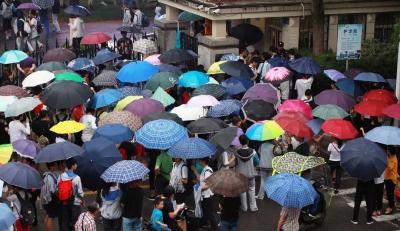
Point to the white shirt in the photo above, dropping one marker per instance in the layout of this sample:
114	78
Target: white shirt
207	172
334	152
76	27
90	122
178	172
137	18
302	85
33	24
18	131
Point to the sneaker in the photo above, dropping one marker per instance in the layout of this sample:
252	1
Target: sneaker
354	222
370	222
254	210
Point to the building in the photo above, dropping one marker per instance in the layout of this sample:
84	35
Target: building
280	20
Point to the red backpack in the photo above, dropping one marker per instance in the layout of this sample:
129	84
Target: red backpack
65	190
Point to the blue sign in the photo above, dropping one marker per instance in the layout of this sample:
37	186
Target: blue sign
349	41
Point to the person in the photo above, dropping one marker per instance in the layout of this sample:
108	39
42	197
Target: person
76	28
7	8
298	145
19	198
162	170
137	16
171	209
391	178
229	213
89	120
159	14
23	30
48	197
126	21
34	36
302	85
55	10
19	128
41	126
281	49
264	67
289	219
111	210
157	221
308	98
125	46
378	202
364	189
71	204
44	20
179	178
245	166
265	166
243	55
334	162
253	66
132	205
86	220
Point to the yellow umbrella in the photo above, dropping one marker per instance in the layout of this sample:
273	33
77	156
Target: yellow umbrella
67	127
5	153
125	101
215	69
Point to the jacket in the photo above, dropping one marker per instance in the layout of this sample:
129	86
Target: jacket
49	187
111	204
245	165
266	155
76	185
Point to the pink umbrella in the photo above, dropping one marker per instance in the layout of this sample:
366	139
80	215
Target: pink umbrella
153	59
296	105
277	74
202	101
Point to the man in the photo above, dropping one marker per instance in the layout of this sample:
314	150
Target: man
124	45
41	126
48	197
132	205
162	170
19	128
86	221
55	12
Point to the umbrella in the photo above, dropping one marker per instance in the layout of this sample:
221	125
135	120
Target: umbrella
105	97
107	78
5	101
104	56
290	190
237	69
130	91
169	68
339	128
296	105
164	80
381	95
66	94
334	75
218	183
187	17
295	127
350	86
145	46
21	106
236	85
37	78
12	56
206	125
292	162
44	4
99	154
212	89
315	125
125	171
215	68
264	130
20	175
5	153
229	57
117	133
176	55
125	118
160	134
125	101
329	111
370	77
225	108
7	218
163	97
392	111
296	115
58	151
12	90
77	10
67	127
321	83
129	29
305	65
258	110
192	148
227	137
136	72
193	79
69	76
202	101
82	64
370	108
153	59
162	115
26	148
188	113
51	66
335	97
353	72
277	74
28	6
387	135
143	107
59	55
95	38
262	91
363	159
247	34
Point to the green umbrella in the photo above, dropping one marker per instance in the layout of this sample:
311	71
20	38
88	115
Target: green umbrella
71	76
329	111
163	97
51	66
292	162
187	17
164	80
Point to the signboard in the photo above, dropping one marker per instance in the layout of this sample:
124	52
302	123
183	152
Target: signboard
349	41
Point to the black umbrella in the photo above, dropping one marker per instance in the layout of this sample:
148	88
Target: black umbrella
77	10
58	151
225	137
169	68
66	94
237	69
104	56
246	33
162	115
129	29
258	110
320	84
215	90
176	55
59	55
206	125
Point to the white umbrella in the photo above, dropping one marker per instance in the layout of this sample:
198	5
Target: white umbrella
5	101
189	113
202	101
21	106
37	78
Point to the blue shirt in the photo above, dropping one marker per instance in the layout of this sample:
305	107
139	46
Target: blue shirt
157	216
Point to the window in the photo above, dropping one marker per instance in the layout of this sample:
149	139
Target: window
384	23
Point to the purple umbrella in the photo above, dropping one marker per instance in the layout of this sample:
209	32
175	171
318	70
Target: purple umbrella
334	74
335	97
262	91
26	148
144	107
28	6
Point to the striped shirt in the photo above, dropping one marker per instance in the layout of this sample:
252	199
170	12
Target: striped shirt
291	219
85	222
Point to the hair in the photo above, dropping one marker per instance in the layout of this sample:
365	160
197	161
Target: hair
308	92
273	49
158	200
90	110
266	56
242	50
33	12
51	164
255	59
206	160
93	207
168	191
281	44
235	120
243	140
292	52
106	189
391	150
71	162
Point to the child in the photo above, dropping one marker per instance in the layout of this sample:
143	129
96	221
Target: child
307	98
157	221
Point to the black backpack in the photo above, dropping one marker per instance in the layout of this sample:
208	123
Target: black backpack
27	214
39	27
145	21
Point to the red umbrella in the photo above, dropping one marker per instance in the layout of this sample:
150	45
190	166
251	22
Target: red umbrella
292	115
380	95
296	105
95	38
371	108
339	128
392	111
295	127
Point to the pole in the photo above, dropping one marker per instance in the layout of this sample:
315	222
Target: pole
347	64
396	122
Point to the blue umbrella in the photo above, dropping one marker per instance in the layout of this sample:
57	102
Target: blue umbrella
385	135
128	91
236	85
277	61
81	64
137	72
192	148
116	133
169	68
99	154
225	108
77	10
58	151
193	79
20	175
370	77
350	86
13	56
363	159
229	57
104	56
305	65
315	125
125	171
290	190
160	134
7	218
105	97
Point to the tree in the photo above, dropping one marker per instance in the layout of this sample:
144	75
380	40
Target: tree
318	26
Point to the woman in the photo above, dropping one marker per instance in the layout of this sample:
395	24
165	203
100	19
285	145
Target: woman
289	219
76	28
171	212
34	36
179	178
7	8
391	178
111	209
334	162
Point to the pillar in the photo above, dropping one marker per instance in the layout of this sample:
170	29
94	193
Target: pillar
333	32
291	33
218	29
171	13
370	26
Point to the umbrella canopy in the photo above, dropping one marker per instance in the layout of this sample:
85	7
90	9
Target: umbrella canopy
129	29
37	78
370	108
106	78
130	91
212	89
77	10
237	69
339	128
230	57
153	59
5	101
227	137
69	76
290	190
82	64
277	74
12	90
28	6
315	125
206	125
143	107
164	80
125	171
7	218
26	148
160	134
329	111
104	56
21	106
163	97
58	151
350	86
20	175
163	115
59	55
387	135
381	95
292	162
363	159
187	17
264	130
392	111
188	113
296	115
136	72
67	127
334	75
370	77
236	85
44	4
66	94
117	133
12	56
215	68
192	148
305	65
145	46
105	97
258	110
262	91
95	38
218	183
125	101
193	79
296	105
335	97
125	118
247	34
5	153
295	127
225	108
169	68
176	55
202	101
51	66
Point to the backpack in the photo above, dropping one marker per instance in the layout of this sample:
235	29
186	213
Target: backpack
65	190
39	27
7	12
145	21
27	214
190	179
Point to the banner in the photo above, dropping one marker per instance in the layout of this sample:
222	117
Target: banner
349	41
